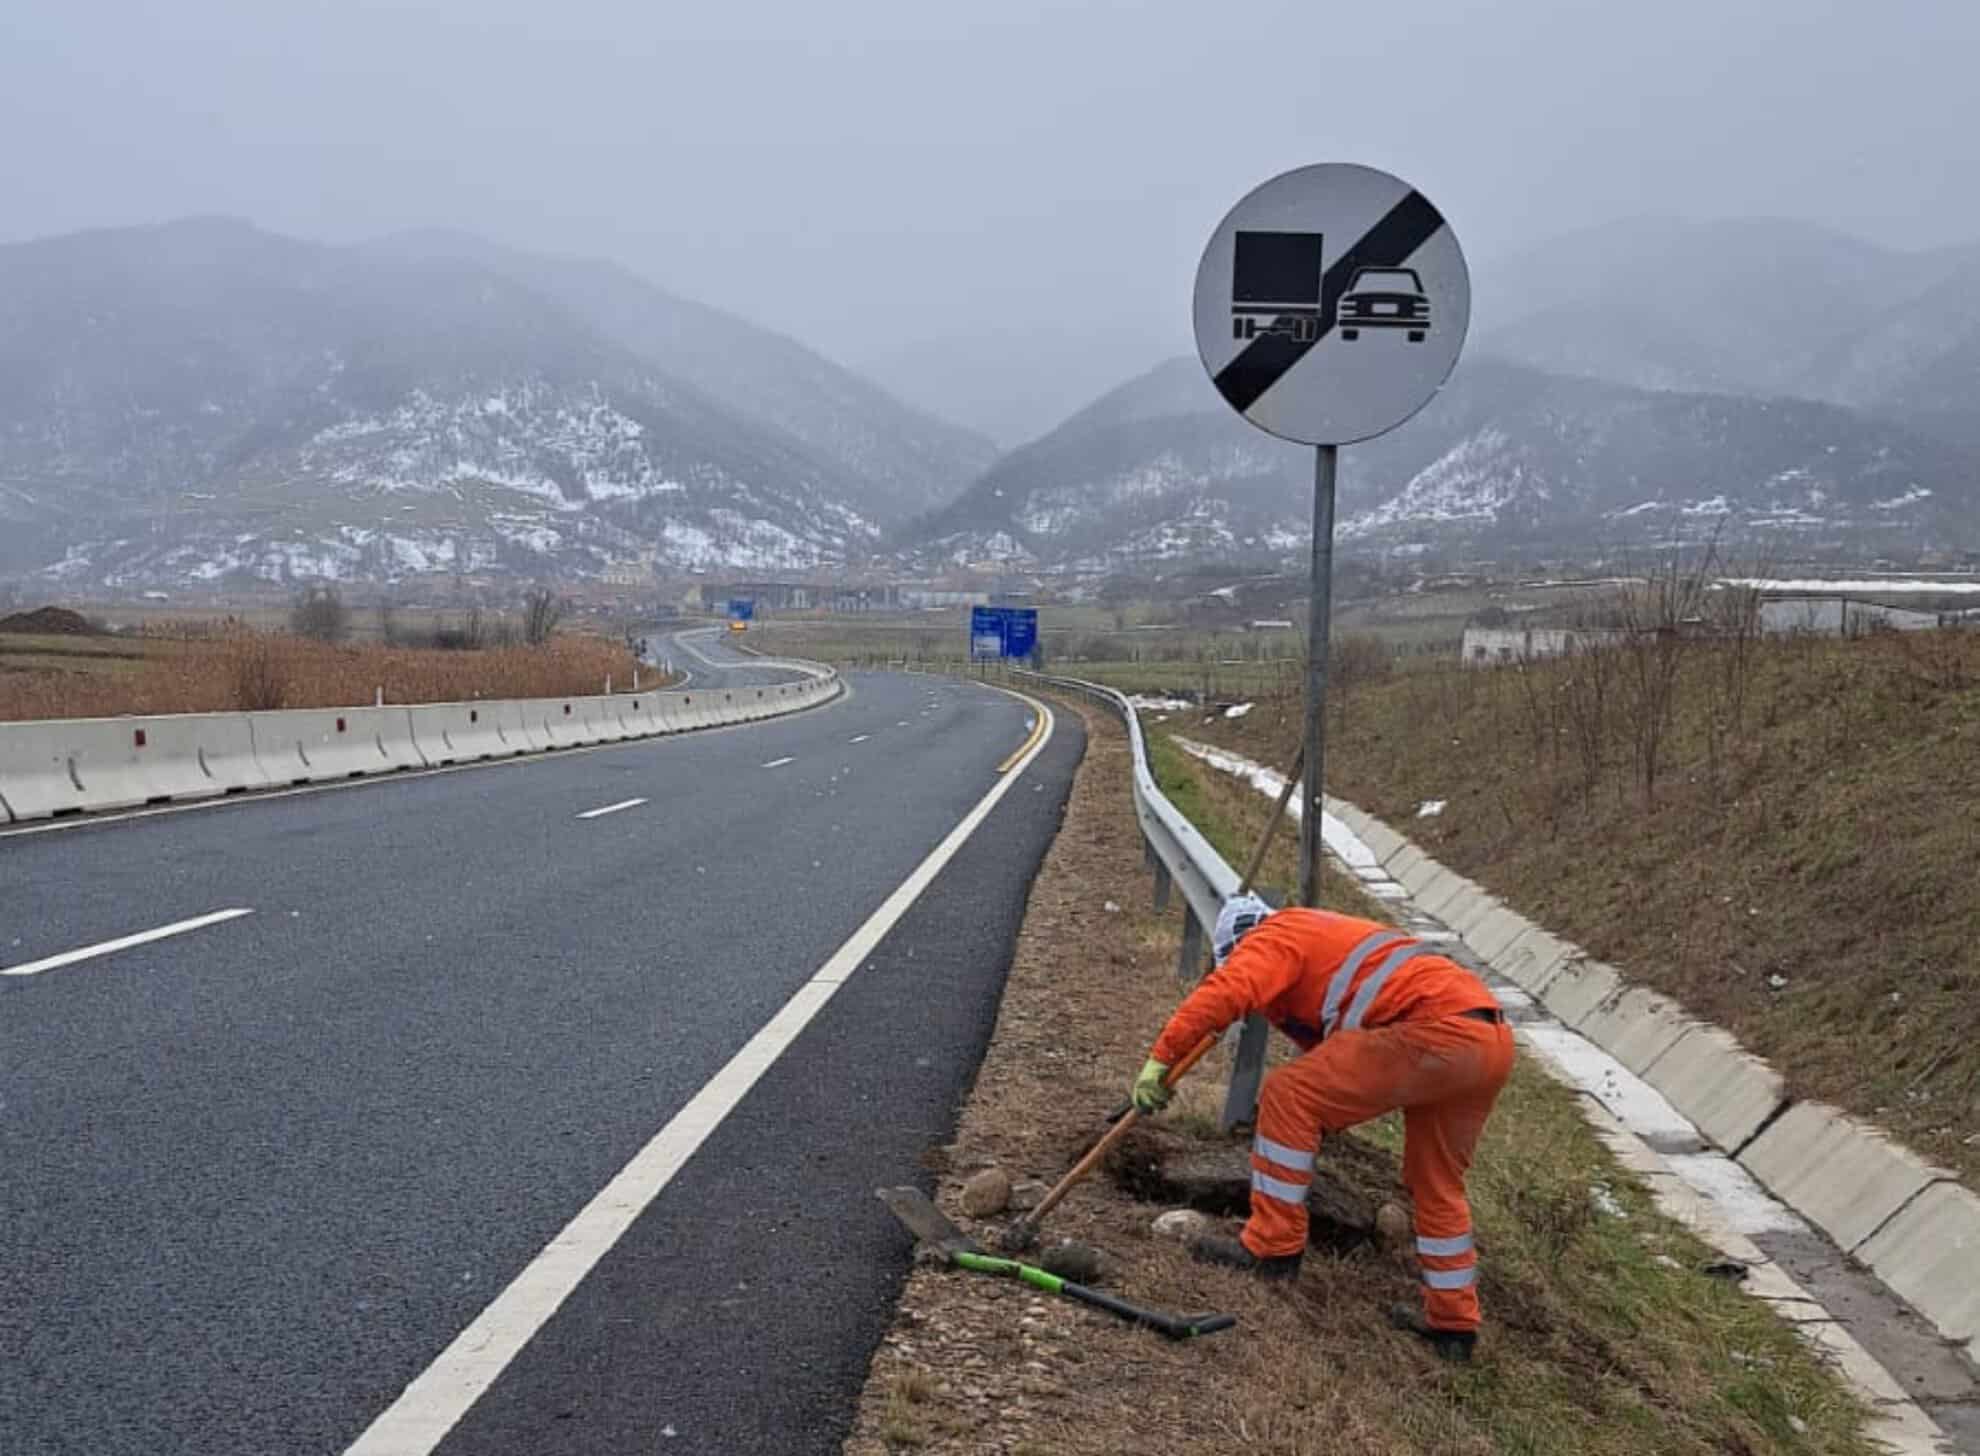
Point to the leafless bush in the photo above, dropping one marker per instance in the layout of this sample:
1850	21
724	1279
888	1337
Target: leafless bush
543	609
319	614
260	680
1353	662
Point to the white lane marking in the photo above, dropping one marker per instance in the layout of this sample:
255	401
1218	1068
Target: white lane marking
902	724
860	739
779	762
122	942
611	808
430	1407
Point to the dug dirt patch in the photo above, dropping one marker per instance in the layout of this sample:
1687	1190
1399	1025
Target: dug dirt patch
50	622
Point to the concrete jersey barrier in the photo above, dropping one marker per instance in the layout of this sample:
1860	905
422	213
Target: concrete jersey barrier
70	765
78	765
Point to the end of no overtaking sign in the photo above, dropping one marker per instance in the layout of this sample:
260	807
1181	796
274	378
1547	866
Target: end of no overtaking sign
1331	304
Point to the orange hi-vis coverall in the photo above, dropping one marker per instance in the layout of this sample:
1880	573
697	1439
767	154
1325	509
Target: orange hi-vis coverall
1386	1023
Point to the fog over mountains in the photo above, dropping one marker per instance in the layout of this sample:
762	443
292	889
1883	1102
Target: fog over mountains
205	402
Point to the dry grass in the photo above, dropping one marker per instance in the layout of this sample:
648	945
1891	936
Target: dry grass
1802	873
90	677
1594	1343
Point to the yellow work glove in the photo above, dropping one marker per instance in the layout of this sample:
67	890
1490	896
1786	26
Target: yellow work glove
1151	1094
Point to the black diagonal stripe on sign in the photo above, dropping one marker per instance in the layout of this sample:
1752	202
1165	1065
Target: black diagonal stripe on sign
1406	227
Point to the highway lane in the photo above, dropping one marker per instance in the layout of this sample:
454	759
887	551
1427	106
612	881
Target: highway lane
258	1175
707	656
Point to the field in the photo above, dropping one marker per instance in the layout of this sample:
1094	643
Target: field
74	676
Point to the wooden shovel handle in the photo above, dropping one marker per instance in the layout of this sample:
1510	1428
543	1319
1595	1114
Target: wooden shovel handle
1115	1133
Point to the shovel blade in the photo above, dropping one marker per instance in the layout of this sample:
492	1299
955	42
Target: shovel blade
919	1215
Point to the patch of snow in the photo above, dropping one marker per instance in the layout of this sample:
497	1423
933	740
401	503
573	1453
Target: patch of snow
1911	497
1858	585
1731	1190
1237	710
1431	808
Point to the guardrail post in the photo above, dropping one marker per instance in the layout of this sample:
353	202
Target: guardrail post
1161	887
1189	961
1247	1072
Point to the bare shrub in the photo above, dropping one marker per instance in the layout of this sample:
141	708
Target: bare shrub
255	664
319	614
543	609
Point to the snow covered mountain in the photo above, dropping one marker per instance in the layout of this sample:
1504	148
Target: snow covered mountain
1759	307
202	401
1505	459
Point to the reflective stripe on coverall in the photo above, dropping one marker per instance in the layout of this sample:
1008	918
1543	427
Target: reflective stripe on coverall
1382	1018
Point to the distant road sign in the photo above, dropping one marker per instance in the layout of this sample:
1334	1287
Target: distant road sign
1331	304
742	609
1002	632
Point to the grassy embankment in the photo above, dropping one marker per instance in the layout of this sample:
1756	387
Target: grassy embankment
1602	1339
1779	833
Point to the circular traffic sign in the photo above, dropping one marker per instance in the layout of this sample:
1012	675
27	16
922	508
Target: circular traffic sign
1331	304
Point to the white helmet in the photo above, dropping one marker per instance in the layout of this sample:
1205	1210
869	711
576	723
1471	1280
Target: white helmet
1240	914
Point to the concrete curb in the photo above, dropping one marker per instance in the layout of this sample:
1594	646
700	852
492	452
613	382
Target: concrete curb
1636	1026
1724	1090
1847	1179
1929	1253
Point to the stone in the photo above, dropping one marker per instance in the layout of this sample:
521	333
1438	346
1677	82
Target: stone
1393	1230
1027	1195
1181	1224
1081	1263
987	1193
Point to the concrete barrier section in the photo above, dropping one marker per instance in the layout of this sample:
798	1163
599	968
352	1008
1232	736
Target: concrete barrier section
510	719
1930	1254
1568	984
316	745
1844	1177
1726	1091
455	732
1635	1026
71	765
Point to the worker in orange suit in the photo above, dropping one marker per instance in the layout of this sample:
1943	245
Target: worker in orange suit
1385	1022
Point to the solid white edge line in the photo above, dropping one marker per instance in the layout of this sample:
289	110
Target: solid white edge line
611	808
122	942
780	762
433	1404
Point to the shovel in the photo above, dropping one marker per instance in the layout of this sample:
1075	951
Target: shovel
917	1211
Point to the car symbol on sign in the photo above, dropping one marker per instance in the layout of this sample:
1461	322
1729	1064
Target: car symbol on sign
1385	298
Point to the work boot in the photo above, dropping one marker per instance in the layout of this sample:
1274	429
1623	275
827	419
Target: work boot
1452	1345
1231	1254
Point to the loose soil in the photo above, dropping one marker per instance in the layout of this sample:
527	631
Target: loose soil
1601	1337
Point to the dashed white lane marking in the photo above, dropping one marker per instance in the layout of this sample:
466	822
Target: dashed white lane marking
430	1407
779	762
611	808
122	942
902	724
861	739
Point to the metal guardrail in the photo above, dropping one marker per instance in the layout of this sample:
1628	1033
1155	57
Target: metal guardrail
1181	857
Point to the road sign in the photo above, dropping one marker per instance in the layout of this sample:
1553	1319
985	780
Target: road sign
1002	632
1331	304
742	609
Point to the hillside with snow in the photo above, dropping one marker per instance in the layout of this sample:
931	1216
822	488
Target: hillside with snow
1505	459
203	402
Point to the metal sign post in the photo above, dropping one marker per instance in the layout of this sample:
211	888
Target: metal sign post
1331	305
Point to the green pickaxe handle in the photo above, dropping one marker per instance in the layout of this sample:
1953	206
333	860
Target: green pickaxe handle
1176	1328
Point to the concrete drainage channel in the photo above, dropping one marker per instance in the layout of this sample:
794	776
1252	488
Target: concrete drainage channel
64	766
1626	1050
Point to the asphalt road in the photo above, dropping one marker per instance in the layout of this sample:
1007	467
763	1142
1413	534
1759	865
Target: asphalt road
256	1177
706	655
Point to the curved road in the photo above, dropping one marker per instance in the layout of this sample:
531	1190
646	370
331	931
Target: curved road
261	1175
705	654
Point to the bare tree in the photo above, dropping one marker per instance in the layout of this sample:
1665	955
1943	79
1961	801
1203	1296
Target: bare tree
319	613
543	609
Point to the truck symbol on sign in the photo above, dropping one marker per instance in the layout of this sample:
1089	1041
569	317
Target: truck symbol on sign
1385	298
1275	286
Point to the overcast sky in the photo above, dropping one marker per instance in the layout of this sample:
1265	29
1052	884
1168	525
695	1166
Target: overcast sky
1000	202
